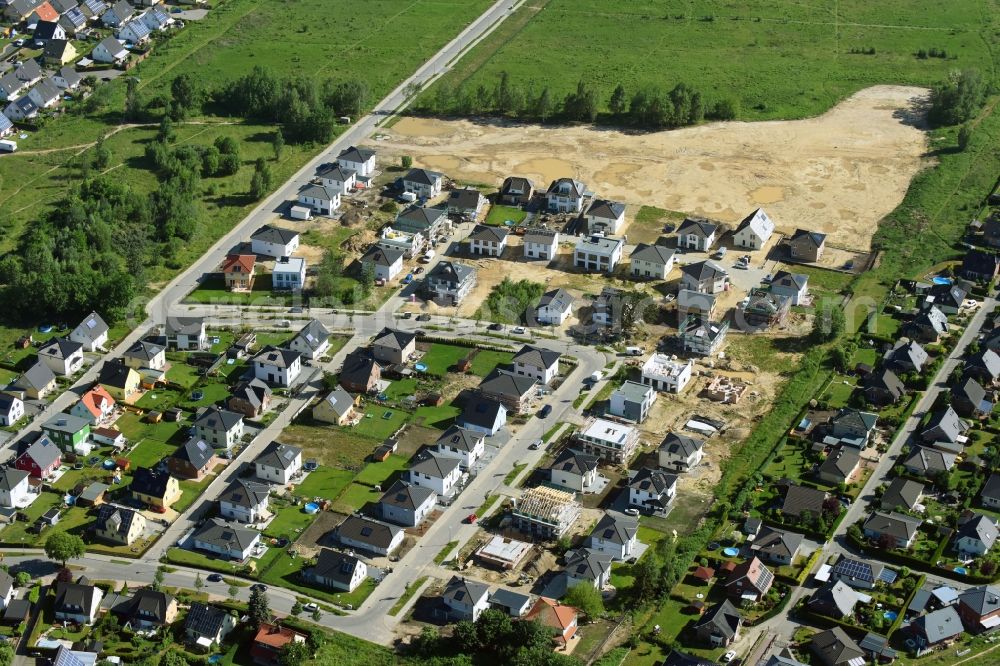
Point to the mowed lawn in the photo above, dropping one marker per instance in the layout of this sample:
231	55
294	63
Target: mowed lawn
778	59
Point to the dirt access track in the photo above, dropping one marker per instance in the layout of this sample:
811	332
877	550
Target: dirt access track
839	173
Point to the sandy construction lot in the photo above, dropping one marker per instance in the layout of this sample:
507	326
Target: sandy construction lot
839	173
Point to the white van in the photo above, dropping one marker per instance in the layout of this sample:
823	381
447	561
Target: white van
8	146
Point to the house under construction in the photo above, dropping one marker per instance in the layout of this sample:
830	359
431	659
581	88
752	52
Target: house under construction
545	513
724	389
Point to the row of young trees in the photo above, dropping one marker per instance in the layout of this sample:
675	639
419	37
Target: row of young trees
648	107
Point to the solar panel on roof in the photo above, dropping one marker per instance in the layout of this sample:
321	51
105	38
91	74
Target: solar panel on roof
888	576
854	569
91	323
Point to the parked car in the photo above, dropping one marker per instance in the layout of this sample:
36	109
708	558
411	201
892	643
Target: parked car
631	512
424	317
214	578
259	587
728	657
310	608
495	327
518	330
407	315
471	518
535	445
418	270
545	411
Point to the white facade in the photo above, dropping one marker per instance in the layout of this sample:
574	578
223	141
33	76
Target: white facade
542	375
488	247
243	514
598	253
277	473
230	550
274	246
666	374
289	274
467	457
442	485
321	200
340	181
359	161
754	231
19	494
541	247
409	244
12	412
62	365
280	373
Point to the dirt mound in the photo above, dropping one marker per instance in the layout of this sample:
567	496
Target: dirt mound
361	241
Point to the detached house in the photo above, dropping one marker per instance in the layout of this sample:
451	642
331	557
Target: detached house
928	326
979	608
565	195
927	462
22	108
279	463
77	602
990	494
269	641
289	274
763	309
612	442
220	428
483	415
753	231
134	32
423	220
186	333
840	466
320	199
144	355
860	574
407	504
632	401
554	307
392	346
902	494
36	382
558	618
680	453
274	242
536	363
369	535
360	373
312	341
902	529
979	265
94	406
976	536
70	433
229	540
516	191
750	581
277	366
119	525
338	179
806	246
696	233
488	241
359	160
615	534
465	599
936	627
238	271
605	217
245	501
119	13
58	52
545	512
906	356
720	626
705	277
945	425
540	244
63	356
147	610
666	374
467	446
651	261
853	427
883	387
155	488
983	366
793	286
110	51
194	459
385	263
698	335
439	473
337	571
11	409
598	253
207	626
449	282
652	490
250	398
40	459
15	488
776	546
337	407
573	471
423	183
970	399
466	201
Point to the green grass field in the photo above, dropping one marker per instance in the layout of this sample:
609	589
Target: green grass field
500	214
777	59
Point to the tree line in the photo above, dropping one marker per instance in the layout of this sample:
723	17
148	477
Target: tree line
651	107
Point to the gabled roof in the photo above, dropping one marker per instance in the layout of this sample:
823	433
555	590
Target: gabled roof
137	27
567	187
217	419
902	494
704	270
945	424
681	445
28	71
276	357
279	456
394	339
152	482
798	499
887	380
481	412
758	222
907	353
982	599
10	478
654	481
484	232
116	519
551	613
204	620
569	460
836	594
146	604
276	235
422	177
986	360
358	368
514	386
777	543
381	256
516	183
795	281
616	528
195	451
980	528
461	439
76	597
245	493
406	496
811	237
253	391
223	534
939	625
557	299
450	272
438	467
37	376
114	47
895	524
980	263
991	489
466	197
971	390
335	566
46	29
835	647
340	401
538	357
865	571
854	418
144	351
355	154
698	226
723	618
60	348
928	460
367	531
44	452
604	208
657	254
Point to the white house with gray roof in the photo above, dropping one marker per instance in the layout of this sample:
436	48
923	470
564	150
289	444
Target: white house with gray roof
565	195
186	333
369	535
465	599
652	490
696	233
488	241
598	253
615	534
680	453
312	341
407	504
574	471
632	401
110	51
320	199
423	220
554	307
538	363
449	282
468	446
385	262
753	231
439	473
976	536
423	183
337	178
540	243
359	160
279	463
62	355
11	409
338	571
706	277
605	217
793	285
230	540
276	366
219	427
651	261
245	501
274	242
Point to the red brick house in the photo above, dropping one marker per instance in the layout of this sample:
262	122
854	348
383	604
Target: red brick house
192	460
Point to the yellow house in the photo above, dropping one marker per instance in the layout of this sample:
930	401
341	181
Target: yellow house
121	381
155	488
338	407
119	525
59	52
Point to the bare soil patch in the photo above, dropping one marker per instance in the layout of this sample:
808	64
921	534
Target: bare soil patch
838	173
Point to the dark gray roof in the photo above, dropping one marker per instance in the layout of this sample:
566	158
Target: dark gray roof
276	357
704	270
355	154
60	348
517	183
217	419
185	325
567	187
381	256
939	625
146	604
223	534
500	383
466	197
616	528
982	599
485	232
836	594
150	482
569	460
775	542
422	176
509	598
587	563
538	357
986	360
368	531
907	353
606	209
480	412
195	451
421	217
336	172
834	646
451	272
557	299
895	524
540	236
681	445
406	496
885	379
66	423
245	493
394	338
144	350
313	334
991	489
653	480
112	518
434	466
74	598
841	462
320	192
813	237
698	226
465	591
928	460
278	455
114	373
793	280
946	425
971	390
981	529
358	368
10	478
723	618
902	494
204	620
253	391
92	326
335	566
36	377
277	235
459	438
802	498
658	254
339	400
